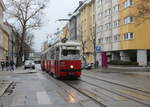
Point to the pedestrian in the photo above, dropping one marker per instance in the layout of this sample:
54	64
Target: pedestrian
97	64
12	65
2	65
7	65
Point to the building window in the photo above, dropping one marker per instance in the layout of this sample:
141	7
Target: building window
107	12
100	14
116	8
107	26
100	40
101	28
108	39
128	3
116	23
129	19
99	1
129	36
116	38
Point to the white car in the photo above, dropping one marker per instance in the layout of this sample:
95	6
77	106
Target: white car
29	64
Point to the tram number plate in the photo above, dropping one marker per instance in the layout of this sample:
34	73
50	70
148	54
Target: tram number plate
71	73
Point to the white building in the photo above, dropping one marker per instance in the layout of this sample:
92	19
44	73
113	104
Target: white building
120	33
107	26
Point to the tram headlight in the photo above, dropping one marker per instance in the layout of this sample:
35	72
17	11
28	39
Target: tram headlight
71	66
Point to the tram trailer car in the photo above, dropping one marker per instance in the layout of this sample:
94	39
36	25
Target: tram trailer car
62	60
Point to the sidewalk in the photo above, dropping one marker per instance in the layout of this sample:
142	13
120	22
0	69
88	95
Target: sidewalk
4	85
19	70
122	69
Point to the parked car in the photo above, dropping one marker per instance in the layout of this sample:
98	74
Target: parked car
29	64
87	66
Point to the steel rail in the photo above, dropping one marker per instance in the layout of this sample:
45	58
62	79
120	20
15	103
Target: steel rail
125	96
78	90
102	105
122	85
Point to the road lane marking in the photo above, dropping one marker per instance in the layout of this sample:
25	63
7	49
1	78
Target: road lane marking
134	94
43	98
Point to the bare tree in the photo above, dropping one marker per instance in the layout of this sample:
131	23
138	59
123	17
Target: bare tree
83	43
29	39
143	10
94	45
25	15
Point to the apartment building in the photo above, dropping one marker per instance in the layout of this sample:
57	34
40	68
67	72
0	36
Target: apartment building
74	24
120	34
87	30
2	9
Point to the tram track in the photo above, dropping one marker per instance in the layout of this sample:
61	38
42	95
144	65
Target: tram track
95	98
115	83
125	96
87	95
117	93
78	90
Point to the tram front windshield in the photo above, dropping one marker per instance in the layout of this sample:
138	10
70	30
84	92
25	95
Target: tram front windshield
70	54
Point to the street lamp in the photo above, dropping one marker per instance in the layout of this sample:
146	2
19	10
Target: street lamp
63	20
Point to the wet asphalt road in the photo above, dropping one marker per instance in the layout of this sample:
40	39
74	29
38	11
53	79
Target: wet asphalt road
39	90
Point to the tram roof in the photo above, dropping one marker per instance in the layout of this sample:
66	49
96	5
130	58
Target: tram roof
69	43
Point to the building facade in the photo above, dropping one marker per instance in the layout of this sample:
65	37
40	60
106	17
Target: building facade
74	24
5	35
72	28
87	30
120	33
2	9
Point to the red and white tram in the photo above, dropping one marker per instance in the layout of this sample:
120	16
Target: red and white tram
62	59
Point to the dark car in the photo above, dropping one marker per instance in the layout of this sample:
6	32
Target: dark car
87	66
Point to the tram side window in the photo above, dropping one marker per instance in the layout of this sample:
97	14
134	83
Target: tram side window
41	57
49	55
64	52
57	53
52	54
44	57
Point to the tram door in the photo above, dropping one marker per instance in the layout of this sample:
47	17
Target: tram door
104	60
57	67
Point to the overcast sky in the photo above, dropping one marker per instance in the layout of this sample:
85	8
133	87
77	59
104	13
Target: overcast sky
56	9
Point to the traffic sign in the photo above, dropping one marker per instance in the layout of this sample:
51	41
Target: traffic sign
98	49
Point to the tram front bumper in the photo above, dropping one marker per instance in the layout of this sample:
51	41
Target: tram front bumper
70	72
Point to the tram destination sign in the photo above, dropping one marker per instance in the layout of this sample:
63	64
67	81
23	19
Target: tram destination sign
70	47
